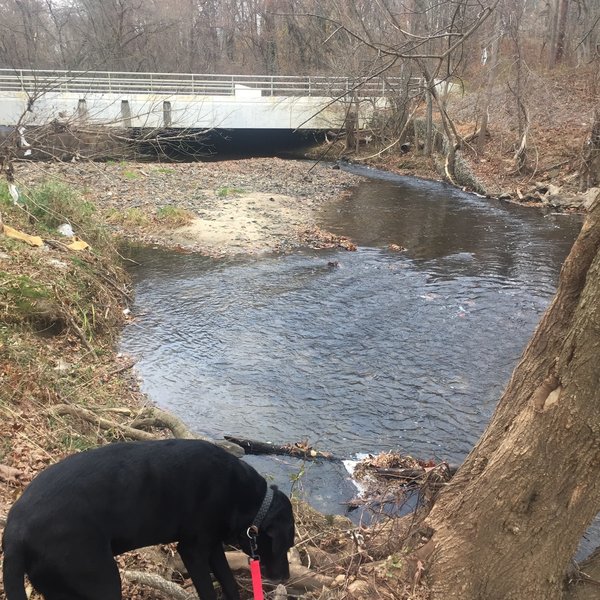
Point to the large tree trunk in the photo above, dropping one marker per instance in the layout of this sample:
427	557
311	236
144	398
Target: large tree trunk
509	523
590	168
561	32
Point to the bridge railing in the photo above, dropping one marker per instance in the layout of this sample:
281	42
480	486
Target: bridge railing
86	82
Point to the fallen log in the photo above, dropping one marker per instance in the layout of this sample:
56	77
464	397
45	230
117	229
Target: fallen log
298	450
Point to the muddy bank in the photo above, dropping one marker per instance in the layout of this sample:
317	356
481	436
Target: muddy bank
221	208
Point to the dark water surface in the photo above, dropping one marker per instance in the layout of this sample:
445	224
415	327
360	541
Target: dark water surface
389	350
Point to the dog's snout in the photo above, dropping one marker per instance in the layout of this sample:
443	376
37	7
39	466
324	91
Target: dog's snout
277	574
277	581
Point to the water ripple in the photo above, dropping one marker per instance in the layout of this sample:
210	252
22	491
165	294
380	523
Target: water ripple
391	350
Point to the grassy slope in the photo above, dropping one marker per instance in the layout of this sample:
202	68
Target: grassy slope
60	313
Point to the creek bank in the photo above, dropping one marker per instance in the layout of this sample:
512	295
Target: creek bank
553	186
342	556
250	206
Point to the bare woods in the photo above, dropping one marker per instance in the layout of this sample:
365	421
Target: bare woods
516	60
290	36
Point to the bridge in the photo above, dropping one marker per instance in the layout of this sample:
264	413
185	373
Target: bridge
189	101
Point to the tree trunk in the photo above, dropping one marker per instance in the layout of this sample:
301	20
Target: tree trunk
561	32
590	168
429	128
508	524
487	96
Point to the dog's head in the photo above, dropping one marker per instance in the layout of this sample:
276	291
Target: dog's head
275	538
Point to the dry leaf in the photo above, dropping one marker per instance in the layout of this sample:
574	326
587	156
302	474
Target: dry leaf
32	240
77	244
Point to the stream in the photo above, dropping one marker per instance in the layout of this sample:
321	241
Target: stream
356	352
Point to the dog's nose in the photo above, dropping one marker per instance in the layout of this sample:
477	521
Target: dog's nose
277	576
276	580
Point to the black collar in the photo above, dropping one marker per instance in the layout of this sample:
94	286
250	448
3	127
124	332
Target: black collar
264	508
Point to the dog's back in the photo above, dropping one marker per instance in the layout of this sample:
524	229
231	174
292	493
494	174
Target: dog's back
118	489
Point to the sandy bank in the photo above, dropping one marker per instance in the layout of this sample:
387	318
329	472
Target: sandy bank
241	206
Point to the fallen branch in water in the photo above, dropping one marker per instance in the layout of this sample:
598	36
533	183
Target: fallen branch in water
298	450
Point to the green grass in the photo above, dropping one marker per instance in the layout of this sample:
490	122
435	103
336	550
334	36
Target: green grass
53	203
133	216
5	197
131	175
20	295
223	192
173	216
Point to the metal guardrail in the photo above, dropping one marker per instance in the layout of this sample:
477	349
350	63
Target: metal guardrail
85	82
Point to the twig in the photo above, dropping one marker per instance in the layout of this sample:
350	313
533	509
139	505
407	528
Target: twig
81	334
115	286
91	417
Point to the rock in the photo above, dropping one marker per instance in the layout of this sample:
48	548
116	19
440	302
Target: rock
589	197
359	588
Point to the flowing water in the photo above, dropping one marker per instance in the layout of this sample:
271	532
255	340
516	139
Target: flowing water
353	351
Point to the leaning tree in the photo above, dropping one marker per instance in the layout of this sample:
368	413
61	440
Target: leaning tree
509	523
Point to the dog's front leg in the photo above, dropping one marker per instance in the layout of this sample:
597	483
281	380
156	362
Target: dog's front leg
196	559
200	561
221	570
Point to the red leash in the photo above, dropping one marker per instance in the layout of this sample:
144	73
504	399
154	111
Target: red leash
257	589
254	562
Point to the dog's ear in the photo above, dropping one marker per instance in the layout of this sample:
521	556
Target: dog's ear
279	522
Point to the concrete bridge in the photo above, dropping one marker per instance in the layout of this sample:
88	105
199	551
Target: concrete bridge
188	101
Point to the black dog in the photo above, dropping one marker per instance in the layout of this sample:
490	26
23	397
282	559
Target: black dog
77	514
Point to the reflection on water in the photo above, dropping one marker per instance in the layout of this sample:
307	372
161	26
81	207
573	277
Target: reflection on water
389	350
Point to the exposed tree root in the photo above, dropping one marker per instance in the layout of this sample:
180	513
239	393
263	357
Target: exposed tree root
91	417
301	578
154	417
174	591
149	417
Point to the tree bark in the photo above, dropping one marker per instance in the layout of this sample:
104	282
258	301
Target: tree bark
561	32
487	96
590	167
509	523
